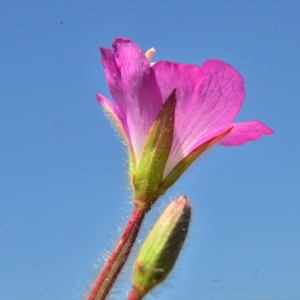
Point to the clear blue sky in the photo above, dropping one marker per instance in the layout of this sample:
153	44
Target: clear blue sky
63	188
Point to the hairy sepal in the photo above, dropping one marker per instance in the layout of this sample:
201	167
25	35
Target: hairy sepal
182	166
147	178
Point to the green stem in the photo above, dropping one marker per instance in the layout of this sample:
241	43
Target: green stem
118	257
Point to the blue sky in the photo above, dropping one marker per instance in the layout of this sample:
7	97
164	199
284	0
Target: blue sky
63	185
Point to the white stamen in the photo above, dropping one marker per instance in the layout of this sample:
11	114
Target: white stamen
149	54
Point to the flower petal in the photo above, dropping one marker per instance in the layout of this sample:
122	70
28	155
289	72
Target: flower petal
208	100
245	132
174	174
132	84
115	115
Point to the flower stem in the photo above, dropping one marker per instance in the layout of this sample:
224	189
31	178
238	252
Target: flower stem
134	295
118	257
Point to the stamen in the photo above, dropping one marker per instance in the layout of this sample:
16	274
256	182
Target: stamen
149	54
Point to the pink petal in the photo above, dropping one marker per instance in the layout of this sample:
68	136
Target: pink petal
245	132
115	115
133	86
208	100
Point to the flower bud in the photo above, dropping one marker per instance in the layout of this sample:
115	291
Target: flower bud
160	250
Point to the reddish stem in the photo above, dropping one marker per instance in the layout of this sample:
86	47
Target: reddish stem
134	295
118	257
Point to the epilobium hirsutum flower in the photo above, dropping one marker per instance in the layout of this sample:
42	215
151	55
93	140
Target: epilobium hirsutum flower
169	113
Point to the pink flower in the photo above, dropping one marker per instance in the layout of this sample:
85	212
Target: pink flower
208	99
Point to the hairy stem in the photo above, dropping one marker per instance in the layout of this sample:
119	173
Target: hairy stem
134	295
118	256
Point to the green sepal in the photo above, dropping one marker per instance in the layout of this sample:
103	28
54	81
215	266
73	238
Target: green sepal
148	176
182	166
161	248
